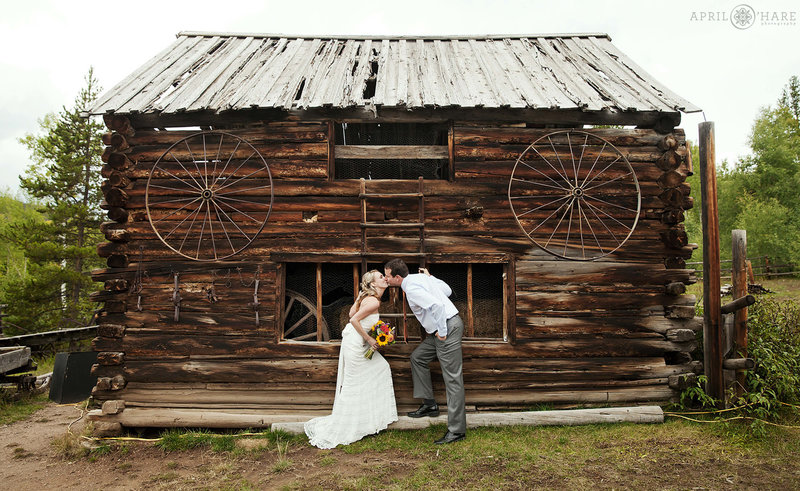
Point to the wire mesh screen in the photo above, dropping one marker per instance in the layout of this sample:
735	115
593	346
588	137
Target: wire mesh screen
300	302
391	169
487	300
337	296
391	134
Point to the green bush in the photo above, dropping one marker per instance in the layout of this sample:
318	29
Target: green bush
773	386
774	343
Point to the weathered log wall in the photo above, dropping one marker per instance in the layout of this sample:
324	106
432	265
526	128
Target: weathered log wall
617	329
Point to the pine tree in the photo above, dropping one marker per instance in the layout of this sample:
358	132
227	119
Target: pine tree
64	178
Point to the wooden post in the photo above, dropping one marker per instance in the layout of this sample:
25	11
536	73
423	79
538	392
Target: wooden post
739	280
319	301
750	276
712	316
470	317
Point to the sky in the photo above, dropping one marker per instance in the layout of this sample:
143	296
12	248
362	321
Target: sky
692	47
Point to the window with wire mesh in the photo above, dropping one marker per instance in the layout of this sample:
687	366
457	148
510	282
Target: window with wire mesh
375	167
485	319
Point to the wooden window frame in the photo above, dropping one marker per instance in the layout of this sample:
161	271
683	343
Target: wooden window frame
508	300
382	152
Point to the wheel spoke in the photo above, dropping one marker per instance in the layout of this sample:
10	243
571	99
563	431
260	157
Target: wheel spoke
226	163
552	166
560	186
559	222
178	225
194	161
222	224
542	206
589	206
297	324
190	189
609	216
261	169
596	160
232	221
580	160
205	162
246	189
580	228
569	226
566	174
196	213
236	209
568	203
249	202
605	169
175	200
179	209
202	230
611	204
237	170
199	187
211	230
593	234
608	182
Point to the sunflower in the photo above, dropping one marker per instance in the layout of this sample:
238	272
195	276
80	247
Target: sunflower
382	339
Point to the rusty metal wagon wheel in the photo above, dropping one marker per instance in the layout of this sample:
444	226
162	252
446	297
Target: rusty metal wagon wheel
575	195
299	318
209	195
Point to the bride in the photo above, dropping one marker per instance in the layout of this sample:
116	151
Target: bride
364	403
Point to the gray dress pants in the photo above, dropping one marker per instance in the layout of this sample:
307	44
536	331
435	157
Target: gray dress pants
450	359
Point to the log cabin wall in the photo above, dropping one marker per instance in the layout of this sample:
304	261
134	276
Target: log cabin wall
615	330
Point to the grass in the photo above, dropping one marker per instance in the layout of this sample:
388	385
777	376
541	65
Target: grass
782	288
15	410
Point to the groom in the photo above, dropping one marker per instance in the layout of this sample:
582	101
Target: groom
427	297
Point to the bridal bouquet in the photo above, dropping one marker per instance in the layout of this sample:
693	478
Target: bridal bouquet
382	333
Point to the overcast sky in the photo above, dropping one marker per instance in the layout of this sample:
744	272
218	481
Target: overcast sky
48	46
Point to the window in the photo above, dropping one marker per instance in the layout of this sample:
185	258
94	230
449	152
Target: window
318	297
391	151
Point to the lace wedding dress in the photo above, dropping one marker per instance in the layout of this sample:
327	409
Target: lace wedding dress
364	402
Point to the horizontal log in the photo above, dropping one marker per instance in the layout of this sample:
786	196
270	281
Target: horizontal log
486	135
668	142
738	363
739	303
392	152
543	324
680	335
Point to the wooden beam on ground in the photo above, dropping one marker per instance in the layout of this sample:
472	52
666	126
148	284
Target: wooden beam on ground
570	417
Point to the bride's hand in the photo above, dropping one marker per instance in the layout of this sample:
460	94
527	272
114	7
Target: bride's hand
372	343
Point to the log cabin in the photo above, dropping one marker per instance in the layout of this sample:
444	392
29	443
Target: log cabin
250	179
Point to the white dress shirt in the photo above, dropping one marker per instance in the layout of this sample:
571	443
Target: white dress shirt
427	297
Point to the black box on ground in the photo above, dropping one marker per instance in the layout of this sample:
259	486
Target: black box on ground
72	379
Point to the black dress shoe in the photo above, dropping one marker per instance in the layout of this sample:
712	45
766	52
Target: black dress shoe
450	437
425	410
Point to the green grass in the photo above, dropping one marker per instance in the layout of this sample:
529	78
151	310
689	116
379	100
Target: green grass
15	410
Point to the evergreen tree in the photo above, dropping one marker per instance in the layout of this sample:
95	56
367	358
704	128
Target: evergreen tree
61	250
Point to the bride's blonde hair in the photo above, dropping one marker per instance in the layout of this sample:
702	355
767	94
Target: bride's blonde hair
367	287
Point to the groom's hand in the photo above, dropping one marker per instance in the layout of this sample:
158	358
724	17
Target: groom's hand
441	338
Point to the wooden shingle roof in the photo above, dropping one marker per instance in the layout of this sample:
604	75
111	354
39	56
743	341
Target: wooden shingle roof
218	72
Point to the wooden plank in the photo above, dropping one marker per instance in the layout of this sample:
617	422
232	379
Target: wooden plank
392	152
14	357
567	417
739	279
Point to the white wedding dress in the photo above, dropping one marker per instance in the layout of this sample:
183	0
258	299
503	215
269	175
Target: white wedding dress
364	402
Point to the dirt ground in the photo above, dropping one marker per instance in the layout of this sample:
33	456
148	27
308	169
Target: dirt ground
667	456
29	460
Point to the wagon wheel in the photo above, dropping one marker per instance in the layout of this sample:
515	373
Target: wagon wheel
300	318
575	195
209	196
